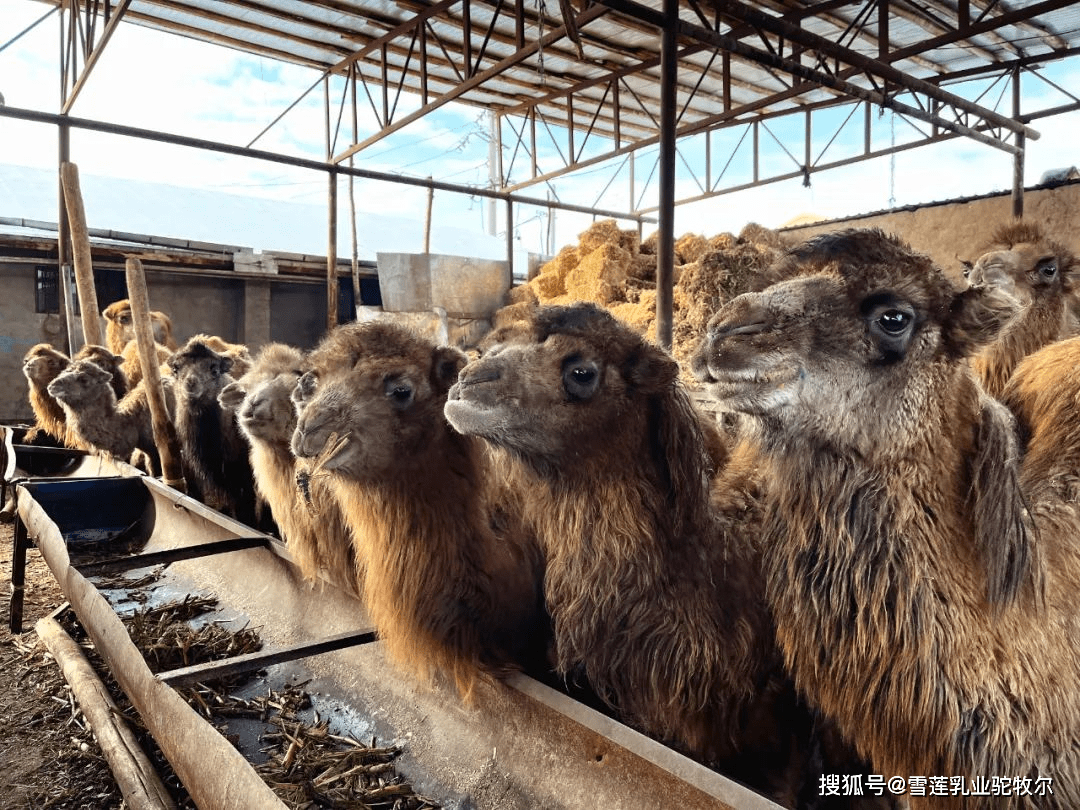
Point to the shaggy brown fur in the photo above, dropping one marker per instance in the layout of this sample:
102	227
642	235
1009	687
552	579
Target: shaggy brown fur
215	453
1037	270
132	364
916	603
1044	394
654	595
119	330
238	353
98	421
41	365
316	533
112	363
444	590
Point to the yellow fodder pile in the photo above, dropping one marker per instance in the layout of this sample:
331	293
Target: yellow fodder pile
613	268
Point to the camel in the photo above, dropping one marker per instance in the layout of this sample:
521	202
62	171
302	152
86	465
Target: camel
651	576
1024	262
41	365
112	363
215	453
120	338
919	603
315	532
119	330
98	421
446	592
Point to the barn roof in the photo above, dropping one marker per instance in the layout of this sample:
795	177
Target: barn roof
585	78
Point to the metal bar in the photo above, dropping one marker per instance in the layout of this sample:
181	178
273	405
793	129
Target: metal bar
92	60
510	235
171	555
288	160
33	449
29	28
479	78
885	71
1018	158
19	544
252	662
665	247
823	79
420	19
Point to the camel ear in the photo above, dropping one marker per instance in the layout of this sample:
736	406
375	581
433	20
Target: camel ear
446	362
650	370
977	316
231	396
97	372
1004	532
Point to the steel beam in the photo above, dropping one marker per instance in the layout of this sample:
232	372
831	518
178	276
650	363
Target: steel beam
883	70
93	125
665	247
475	81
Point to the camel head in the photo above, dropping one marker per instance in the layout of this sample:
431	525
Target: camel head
378	390
112	363
853	347
559	386
1021	261
83	382
119	329
261	397
42	364
201	371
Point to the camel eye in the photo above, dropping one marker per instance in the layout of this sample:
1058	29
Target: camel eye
1047	269
400	393
581	378
894	321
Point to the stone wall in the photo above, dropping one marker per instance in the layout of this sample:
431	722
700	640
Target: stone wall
952	231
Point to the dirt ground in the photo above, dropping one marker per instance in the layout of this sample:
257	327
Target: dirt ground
49	758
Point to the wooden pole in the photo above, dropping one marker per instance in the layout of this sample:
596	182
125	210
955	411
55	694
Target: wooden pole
63	235
164	430
331	254
139	782
427	218
84	265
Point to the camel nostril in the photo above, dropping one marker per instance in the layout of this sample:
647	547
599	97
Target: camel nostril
699	364
479	375
752	328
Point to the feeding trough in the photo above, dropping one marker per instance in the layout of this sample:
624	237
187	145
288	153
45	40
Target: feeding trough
519	744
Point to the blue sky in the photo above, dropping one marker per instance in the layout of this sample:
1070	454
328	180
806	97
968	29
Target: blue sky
160	81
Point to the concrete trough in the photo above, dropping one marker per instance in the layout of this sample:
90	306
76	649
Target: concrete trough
518	745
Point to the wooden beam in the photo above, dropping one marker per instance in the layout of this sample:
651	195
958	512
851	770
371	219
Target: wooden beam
106	35
135	774
168	445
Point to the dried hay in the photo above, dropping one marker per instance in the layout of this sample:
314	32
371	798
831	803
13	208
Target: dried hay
607	232
600	276
604	269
